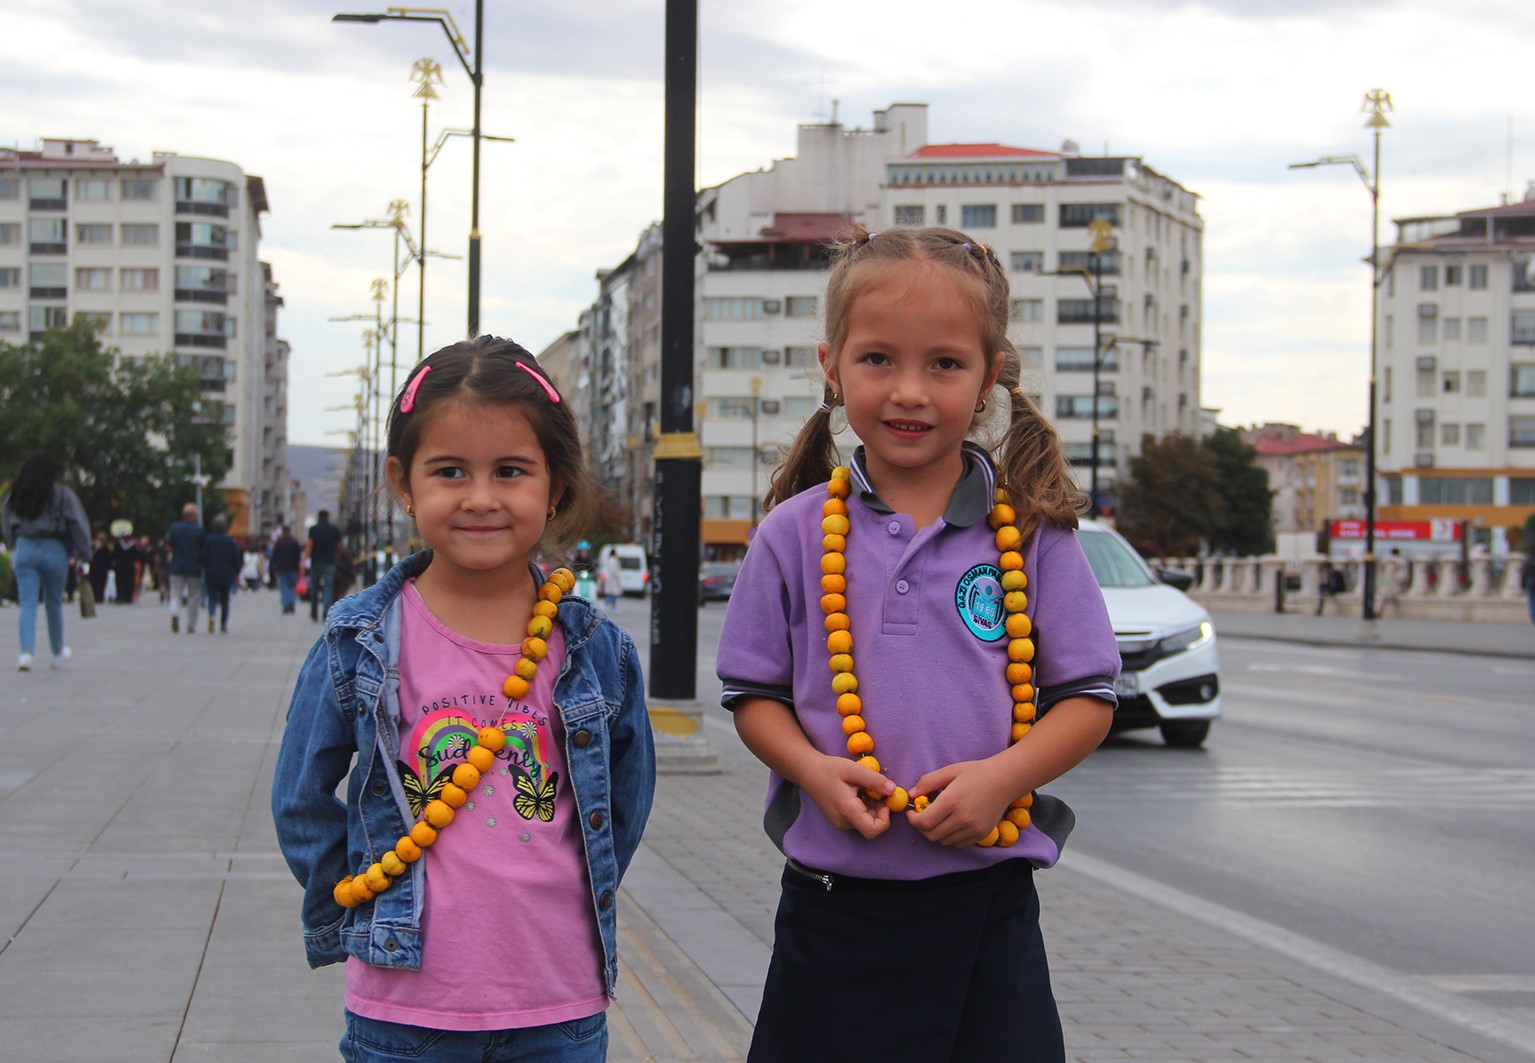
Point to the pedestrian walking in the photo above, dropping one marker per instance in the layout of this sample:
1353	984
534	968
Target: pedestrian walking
287	557
127	566
1393	580
221	571
320	553
610	575
916	855
252	566
46	532
186	568
1527	578
487	459
100	565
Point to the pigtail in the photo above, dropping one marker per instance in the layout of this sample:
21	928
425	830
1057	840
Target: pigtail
810	458
1034	468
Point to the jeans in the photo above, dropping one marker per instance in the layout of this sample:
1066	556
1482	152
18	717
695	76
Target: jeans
577	1041
287	594
218	602
187	593
322	583
41	563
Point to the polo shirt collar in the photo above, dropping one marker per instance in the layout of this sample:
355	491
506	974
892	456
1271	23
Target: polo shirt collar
973	494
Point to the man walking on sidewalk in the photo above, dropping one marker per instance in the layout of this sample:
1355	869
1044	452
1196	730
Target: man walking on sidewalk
321	552
287	556
186	541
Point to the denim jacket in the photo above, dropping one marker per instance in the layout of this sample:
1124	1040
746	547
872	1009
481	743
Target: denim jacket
347	702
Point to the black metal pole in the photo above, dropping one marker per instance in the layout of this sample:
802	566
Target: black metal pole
1097	363
1368	611
674	601
421	256
474	201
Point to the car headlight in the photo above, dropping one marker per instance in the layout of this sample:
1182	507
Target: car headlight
1188	638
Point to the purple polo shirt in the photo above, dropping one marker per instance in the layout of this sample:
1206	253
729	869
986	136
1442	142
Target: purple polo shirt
930	654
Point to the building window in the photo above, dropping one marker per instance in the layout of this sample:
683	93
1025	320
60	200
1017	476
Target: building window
10	320
1455	490
1521	431
1428	278
1449	435
10	277
1078	406
978	216
800	306
731	409
1428	323
1452	382
1452	276
1521	381
1028	213
46	193
1080	360
139	324
99	321
1476	329
93	279
1386	385
733	308
1451	329
1083	311
1031	357
943	214
1027	261
1523	327
910	215
1476	383
49	280
1427	373
798	407
1521	492
141	280
735	357
1423	438
796	357
43	318
48	236
1107	262
1390	331
93	189
729	507
1478	278
1081	215
1476	437
10	188
10	233
728	457
140	235
1028	311
138	189
93	235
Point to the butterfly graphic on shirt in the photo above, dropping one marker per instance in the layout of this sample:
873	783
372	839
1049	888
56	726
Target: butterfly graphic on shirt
416	793
533	799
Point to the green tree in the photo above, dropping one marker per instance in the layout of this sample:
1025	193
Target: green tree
1244	514
127	431
1169	502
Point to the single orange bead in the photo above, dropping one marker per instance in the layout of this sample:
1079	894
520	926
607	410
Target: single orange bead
1010	560
1018	731
860	743
839	642
1023	712
834	583
466	776
833	603
525	667
1023	691
833	564
423	834
848	705
834	507
834	544
535	648
1019	626
844	683
1019	672
852	725
841	662
481	757
838	622
454	796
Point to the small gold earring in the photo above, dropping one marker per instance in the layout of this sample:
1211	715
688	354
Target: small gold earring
980	407
552	511
410	511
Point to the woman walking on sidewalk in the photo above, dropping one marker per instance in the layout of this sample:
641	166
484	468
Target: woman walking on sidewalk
465	675
46	532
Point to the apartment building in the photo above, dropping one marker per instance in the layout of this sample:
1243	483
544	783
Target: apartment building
163	256
1315	478
1457	370
761	276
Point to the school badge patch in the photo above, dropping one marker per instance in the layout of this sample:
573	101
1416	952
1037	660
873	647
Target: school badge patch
978	597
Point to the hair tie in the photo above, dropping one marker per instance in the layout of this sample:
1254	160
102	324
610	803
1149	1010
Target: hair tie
408	402
1016	391
554	396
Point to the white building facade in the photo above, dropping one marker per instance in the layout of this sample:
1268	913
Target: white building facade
163	256
1457	371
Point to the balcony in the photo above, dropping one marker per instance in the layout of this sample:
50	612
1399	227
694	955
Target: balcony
201	339
49	293
201	295
49	248
48	203
202	251
188	206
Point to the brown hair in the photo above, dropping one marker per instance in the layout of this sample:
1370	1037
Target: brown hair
1033	468
485	370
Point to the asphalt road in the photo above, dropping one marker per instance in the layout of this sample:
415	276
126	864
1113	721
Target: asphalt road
1372	806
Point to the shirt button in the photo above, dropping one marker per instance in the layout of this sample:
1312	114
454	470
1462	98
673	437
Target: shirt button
391	945
581	738
895	527
604	900
378	788
901	586
596	820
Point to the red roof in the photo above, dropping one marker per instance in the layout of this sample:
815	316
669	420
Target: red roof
806	228
980	151
1304	443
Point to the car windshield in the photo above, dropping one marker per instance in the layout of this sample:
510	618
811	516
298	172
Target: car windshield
1113	563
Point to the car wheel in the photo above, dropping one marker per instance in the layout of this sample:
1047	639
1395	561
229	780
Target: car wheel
1185	734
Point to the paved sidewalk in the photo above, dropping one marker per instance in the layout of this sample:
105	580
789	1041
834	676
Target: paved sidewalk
145	915
1460	637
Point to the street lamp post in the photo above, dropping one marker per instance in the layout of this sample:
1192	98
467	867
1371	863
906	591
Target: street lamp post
1101	232
1376	103
476	76
756	410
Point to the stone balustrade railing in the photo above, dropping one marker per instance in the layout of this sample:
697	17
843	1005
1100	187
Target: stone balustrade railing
1477	590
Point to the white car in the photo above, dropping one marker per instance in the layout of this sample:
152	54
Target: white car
634	567
1170	676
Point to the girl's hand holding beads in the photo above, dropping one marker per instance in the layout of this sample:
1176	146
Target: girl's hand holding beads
838	788
974	796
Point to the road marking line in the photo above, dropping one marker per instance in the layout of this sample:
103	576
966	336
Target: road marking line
1415	991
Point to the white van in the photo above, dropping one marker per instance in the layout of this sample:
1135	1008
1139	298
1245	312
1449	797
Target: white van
634	567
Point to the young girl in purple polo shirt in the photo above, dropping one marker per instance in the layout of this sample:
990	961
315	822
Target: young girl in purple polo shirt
915	644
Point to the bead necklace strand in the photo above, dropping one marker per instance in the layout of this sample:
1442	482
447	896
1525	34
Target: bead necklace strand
835	526
480	758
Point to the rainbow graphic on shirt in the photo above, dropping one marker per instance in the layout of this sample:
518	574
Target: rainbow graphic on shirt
442	738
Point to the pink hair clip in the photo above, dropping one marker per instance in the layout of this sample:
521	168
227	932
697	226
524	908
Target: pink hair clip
408	403
554	396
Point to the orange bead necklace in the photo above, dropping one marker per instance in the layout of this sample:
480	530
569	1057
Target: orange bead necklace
835	527
480	758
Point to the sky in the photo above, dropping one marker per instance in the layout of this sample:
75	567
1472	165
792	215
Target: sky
1219	95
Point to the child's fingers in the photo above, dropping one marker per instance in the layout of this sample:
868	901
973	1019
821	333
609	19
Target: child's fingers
936	780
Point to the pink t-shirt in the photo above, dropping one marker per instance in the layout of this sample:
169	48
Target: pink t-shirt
509	935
